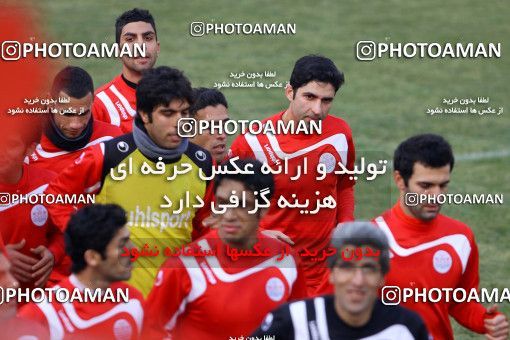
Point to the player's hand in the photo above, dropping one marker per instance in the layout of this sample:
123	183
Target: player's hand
21	265
278	235
42	269
497	326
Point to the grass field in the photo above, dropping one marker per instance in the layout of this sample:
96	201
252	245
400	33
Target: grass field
384	101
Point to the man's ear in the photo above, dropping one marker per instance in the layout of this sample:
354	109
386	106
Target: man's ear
30	149
92	258
144	116
289	92
399	181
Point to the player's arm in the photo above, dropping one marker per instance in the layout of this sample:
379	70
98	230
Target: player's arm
470	314
200	222
83	176
165	301
299	289
99	111
345	187
276	325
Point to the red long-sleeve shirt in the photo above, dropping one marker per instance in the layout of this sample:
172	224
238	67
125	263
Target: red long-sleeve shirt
440	253
310	231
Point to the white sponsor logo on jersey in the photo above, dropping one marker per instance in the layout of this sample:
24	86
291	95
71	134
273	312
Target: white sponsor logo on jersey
268	321
200	155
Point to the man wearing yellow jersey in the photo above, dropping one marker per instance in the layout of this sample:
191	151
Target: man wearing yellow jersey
147	173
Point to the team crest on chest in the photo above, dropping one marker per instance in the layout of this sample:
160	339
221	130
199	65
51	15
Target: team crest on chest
39	215
329	162
122	330
442	261
275	289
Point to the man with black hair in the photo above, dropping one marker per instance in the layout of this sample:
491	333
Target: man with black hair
431	250
115	102
211	105
314	83
355	310
219	295
139	171
71	127
33	243
96	240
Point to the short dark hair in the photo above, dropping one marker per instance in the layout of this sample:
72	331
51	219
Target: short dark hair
315	68
74	81
133	15
159	86
255	182
428	149
205	97
92	227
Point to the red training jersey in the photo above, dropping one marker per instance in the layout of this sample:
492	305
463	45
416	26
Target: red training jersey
215	297
310	231
115	103
22	220
440	253
88	320
48	156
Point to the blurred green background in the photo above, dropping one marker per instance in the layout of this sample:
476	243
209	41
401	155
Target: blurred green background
384	101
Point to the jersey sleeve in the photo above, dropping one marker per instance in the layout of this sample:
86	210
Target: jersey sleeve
201	214
299	289
99	111
83	176
56	244
167	299
470	314
276	325
345	187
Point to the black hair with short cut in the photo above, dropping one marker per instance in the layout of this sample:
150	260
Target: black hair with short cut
160	86
74	81
315	68
133	15
430	150
92	227
255	182
205	97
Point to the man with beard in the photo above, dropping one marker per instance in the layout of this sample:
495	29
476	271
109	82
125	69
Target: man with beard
431	250
115	102
71	127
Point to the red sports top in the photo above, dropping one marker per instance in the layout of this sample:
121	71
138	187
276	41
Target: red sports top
89	320
31	222
115	103
48	156
214	297
441	253
311	231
